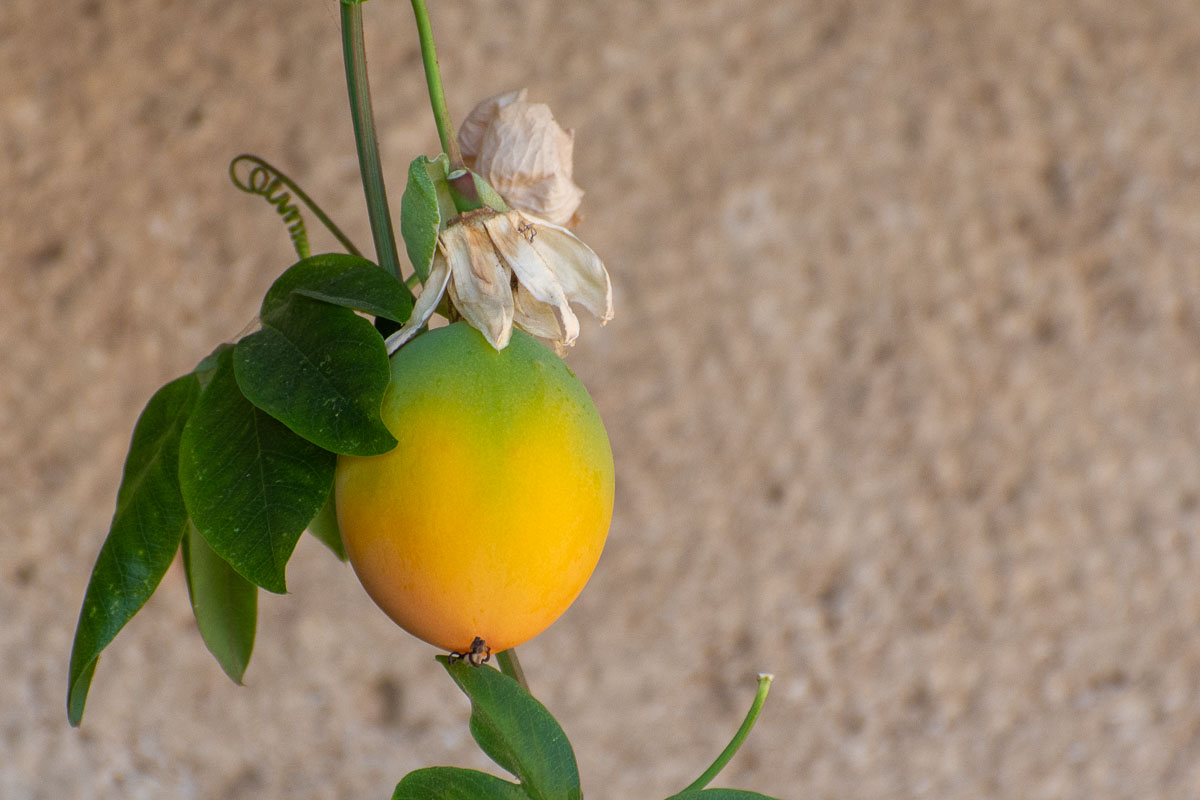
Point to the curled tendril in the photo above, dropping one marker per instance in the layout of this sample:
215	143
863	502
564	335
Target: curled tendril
267	181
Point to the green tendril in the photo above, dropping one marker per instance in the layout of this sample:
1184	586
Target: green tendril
269	182
760	697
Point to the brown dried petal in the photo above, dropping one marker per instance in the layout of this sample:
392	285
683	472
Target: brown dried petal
532	271
470	133
579	271
480	284
534	316
527	157
431	295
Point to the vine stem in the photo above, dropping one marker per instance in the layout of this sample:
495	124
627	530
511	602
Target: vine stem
265	179
511	666
355	54
437	96
764	685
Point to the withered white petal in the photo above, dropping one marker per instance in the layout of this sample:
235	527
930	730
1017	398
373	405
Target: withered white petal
534	316
527	157
532	271
431	295
480	283
579	271
555	198
470	133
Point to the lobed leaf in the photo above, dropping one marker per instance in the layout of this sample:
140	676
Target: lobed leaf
250	484
518	733
455	783
146	529
321	371
224	603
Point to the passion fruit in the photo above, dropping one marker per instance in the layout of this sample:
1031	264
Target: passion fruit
488	517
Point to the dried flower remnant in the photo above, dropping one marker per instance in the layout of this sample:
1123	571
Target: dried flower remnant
510	268
519	266
526	156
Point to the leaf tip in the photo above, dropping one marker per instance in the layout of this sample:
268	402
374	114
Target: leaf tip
235	669
77	693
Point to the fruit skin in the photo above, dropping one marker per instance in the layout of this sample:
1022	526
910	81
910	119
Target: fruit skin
489	515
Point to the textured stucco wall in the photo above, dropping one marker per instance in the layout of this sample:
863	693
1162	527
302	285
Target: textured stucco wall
902	387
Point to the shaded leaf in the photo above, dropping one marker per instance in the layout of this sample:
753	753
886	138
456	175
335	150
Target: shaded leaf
518	733
250	484
146	529
421	213
719	794
320	370
343	280
324	526
208	364
454	783
225	604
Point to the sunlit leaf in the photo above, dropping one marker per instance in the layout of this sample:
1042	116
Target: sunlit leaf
454	783
343	280
146	528
322	371
250	484
518	733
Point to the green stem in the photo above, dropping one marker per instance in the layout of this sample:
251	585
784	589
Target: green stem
433	77
764	685
364	137
511	666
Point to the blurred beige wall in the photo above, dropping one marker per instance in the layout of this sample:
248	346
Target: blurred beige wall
903	389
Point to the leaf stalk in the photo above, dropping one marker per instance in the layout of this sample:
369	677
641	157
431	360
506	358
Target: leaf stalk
510	665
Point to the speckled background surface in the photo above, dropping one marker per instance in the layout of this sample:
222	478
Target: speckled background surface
903	390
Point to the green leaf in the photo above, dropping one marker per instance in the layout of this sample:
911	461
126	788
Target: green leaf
517	732
324	526
454	783
249	483
146	528
225	605
423	212
208	364
487	195
342	280
322	371
719	794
